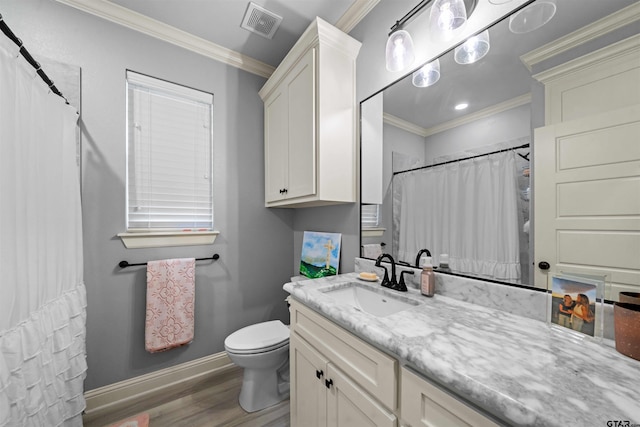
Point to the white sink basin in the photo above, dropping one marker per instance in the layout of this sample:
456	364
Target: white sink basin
369	300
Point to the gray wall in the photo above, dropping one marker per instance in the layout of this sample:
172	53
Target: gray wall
255	244
497	128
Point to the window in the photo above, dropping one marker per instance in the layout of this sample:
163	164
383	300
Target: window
370	221
370	217
169	157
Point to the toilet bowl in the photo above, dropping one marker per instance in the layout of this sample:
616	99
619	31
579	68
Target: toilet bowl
263	351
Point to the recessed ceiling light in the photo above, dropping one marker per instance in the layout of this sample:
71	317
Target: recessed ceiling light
461	106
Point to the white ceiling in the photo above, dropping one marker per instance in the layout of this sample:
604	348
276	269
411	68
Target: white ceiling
218	21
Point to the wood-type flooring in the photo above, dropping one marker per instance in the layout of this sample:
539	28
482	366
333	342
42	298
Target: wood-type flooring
212	402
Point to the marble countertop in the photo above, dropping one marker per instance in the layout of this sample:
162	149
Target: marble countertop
516	368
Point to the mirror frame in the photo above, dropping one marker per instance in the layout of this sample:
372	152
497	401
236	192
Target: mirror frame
409	73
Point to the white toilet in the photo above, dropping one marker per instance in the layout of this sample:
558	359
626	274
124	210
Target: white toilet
263	351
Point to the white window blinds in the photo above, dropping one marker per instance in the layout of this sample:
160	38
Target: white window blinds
169	156
370	218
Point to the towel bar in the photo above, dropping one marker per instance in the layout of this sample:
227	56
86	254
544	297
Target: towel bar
125	264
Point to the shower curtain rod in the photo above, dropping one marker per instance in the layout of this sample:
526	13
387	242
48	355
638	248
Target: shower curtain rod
24	52
466	158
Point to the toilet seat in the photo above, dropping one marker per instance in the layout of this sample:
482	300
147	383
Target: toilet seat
258	338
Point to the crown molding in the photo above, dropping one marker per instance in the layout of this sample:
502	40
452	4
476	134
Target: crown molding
151	27
481	114
589	32
403	124
356	12
629	47
136	21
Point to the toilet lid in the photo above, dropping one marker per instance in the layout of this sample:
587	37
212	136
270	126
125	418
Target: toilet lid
259	337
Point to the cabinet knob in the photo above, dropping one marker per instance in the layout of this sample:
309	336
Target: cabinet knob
319	374
328	383
544	265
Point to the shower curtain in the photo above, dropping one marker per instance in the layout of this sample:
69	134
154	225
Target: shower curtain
42	294
467	209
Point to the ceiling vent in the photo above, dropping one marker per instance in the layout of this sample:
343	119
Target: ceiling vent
261	21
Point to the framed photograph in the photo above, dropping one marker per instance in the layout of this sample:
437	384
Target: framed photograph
320	254
576	303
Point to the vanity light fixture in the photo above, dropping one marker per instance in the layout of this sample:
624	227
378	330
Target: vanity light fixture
461	106
399	53
532	17
474	49
449	15
428	75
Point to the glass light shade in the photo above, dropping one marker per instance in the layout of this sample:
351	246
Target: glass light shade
532	17
499	1
428	75
447	16
399	52
474	49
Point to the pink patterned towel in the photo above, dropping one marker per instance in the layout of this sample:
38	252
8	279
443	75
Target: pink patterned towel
170	302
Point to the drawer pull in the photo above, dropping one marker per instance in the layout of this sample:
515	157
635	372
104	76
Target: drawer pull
319	374
328	383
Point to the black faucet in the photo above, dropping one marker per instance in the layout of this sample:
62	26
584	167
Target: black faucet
402	287
393	284
420	252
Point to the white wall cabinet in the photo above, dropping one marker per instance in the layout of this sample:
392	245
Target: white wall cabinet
310	121
339	380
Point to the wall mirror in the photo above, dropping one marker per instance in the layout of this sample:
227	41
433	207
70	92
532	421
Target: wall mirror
456	179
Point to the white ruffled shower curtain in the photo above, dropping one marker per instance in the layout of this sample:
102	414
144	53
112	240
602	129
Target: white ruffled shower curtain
42	299
467	209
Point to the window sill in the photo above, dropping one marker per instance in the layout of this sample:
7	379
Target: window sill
159	239
373	231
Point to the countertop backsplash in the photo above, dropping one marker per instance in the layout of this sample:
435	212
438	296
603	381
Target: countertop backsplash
511	299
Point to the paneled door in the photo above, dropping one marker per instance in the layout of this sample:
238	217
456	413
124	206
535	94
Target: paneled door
587	198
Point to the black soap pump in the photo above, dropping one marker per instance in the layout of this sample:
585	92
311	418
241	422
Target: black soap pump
427	277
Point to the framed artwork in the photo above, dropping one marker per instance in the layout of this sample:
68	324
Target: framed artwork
576	303
320	254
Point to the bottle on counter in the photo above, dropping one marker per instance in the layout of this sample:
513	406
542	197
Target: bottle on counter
427	278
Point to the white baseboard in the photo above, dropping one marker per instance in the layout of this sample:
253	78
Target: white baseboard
119	395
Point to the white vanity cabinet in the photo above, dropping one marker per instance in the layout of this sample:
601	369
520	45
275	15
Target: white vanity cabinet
339	380
310	121
336	378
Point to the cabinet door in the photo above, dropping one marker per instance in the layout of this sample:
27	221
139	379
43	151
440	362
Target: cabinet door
276	150
348	405
300	87
308	390
424	404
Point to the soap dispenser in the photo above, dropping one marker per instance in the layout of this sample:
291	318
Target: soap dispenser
427	278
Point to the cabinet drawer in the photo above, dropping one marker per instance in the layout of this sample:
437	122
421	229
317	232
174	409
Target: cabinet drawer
372	369
424	404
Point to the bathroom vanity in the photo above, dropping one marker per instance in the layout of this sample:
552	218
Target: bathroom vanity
443	362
